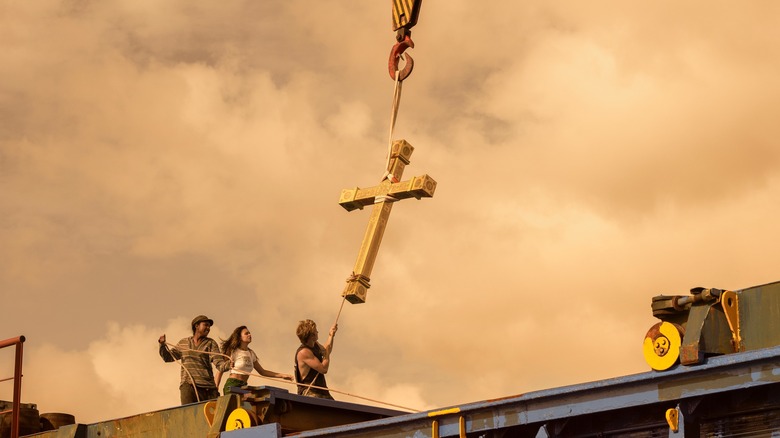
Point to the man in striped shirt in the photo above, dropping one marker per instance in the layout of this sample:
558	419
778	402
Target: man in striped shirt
196	353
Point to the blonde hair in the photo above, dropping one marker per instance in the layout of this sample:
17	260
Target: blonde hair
306	329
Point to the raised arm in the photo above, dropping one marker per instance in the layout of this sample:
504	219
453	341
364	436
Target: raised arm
329	342
166	354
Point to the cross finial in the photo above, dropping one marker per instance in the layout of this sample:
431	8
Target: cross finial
382	197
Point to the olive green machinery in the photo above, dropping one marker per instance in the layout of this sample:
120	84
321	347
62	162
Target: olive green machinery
712	322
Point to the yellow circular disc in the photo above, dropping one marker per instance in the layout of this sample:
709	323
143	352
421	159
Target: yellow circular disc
238	419
662	346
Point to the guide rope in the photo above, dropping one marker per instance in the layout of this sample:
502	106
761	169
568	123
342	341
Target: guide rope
168	346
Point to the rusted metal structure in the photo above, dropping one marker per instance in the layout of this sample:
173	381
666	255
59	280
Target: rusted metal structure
730	395
17	342
733	390
712	322
405	14
727	396
289	413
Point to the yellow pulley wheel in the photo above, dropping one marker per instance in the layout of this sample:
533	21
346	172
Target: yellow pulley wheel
662	345
238	419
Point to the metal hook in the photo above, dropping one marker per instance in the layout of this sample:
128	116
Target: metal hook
395	55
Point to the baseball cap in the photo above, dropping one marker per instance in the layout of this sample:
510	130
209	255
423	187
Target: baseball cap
200	318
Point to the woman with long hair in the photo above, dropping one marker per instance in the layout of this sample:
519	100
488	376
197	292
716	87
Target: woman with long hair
244	360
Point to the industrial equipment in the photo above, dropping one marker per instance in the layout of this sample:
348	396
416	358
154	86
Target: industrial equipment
728	396
712	322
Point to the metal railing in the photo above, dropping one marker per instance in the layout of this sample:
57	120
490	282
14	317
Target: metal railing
17	383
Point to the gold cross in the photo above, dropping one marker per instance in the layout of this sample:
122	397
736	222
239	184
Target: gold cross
382	197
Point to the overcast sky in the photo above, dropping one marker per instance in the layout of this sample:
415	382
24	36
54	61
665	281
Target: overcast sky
163	159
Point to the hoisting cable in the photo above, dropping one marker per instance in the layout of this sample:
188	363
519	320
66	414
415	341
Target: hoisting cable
405	13
404	38
393	116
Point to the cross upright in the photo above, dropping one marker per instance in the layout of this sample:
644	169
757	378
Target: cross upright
382	197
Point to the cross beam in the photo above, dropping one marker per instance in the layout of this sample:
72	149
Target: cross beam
382	197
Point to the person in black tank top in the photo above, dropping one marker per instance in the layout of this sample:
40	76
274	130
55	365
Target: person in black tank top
312	360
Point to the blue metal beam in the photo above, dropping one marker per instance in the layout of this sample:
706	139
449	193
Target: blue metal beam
718	375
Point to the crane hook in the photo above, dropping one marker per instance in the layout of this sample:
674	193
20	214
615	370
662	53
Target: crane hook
395	55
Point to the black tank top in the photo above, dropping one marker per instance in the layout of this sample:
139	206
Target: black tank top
312	377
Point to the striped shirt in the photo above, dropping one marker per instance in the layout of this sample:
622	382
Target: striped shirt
198	365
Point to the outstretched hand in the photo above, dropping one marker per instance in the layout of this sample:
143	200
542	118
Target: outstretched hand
333	330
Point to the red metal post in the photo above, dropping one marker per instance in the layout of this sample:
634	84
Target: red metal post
17	382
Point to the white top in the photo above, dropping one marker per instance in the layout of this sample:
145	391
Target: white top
243	361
